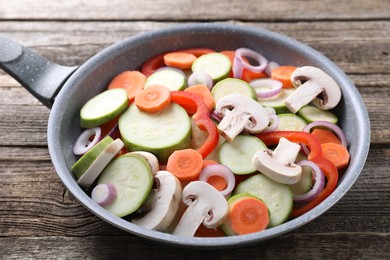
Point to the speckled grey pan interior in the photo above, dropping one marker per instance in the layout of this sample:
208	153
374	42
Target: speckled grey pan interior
92	77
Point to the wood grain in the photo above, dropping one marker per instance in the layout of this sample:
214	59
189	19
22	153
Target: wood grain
40	219
205	10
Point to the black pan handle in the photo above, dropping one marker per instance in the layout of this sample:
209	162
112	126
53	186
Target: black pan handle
38	75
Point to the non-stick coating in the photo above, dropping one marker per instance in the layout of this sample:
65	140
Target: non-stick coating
92	77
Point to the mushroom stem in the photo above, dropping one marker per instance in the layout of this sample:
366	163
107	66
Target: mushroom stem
233	123
191	219
279	164
316	82
205	205
302	96
286	152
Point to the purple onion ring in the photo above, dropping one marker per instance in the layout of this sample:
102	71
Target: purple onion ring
221	171
318	186
83	144
239	63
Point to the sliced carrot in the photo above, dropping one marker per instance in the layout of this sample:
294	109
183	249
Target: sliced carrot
153	98
185	164
217	182
152	65
198	51
283	74
336	153
203	231
204	93
247	75
132	81
248	215
180	60
325	136
208	162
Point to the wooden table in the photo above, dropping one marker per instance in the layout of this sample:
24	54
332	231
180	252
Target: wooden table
40	219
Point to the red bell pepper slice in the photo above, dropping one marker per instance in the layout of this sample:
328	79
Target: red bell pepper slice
316	156
194	105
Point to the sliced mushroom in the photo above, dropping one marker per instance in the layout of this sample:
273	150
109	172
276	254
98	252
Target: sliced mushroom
316	82
163	201
240	113
279	164
151	159
205	205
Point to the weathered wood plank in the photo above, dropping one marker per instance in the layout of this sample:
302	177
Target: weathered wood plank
278	10
356	47
33	200
291	246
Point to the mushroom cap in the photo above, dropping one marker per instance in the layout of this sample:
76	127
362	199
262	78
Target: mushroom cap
164	202
258	119
330	89
207	196
267	165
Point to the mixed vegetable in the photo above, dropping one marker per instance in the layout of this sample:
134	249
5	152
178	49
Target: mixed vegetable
206	143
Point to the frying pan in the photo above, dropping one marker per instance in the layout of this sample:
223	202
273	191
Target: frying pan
65	89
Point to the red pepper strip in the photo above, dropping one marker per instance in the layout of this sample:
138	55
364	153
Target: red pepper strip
201	115
316	156
152	65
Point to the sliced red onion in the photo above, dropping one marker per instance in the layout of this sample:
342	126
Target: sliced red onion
270	66
221	171
274	119
104	194
270	110
318	186
200	77
83	143
214	115
266	88
239	63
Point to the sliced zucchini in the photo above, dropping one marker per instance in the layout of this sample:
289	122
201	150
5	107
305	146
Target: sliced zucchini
277	102
237	155
217	65
159	133
277	196
171	78
313	113
232	86
290	122
89	157
132	177
103	107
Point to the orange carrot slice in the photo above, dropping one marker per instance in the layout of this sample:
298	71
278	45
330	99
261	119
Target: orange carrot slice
204	93
283	74
248	215
132	81
185	164
336	153
180	60
153	98
325	136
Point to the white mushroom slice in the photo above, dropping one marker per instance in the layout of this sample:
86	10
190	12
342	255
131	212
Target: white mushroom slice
164	202
279	164
151	159
205	205
240	113
316	82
